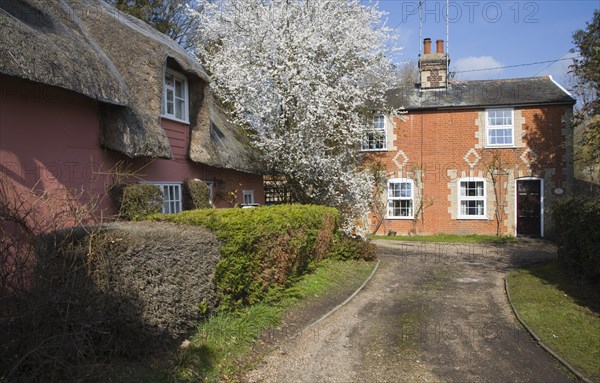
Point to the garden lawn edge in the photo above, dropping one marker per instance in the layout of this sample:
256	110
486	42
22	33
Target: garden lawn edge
566	364
355	293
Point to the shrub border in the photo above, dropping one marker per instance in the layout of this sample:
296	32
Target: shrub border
543	345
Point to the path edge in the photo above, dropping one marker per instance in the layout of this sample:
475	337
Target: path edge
355	293
566	364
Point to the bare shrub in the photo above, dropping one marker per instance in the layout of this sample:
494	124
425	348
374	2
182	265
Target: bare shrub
28	352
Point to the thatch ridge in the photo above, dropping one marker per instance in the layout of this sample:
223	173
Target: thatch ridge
41	41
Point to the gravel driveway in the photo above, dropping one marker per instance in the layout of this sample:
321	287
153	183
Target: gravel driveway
431	313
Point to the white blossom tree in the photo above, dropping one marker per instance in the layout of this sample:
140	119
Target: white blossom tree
303	77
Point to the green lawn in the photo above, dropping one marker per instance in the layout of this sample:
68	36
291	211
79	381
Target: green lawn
220	346
447	238
563	311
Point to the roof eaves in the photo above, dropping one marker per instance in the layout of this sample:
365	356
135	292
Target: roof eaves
560	86
483	106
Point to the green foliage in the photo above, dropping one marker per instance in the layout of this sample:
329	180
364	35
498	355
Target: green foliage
196	195
223	343
578	239
587	42
263	248
587	70
449	238
562	310
346	248
219	341
136	200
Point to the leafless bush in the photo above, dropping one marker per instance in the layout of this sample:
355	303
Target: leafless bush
24	214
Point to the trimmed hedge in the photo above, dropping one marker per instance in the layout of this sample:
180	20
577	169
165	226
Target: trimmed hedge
263	248
121	289
346	248
578	235
134	201
196	195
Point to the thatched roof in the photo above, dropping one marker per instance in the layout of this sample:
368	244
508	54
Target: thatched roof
229	145
91	48
40	41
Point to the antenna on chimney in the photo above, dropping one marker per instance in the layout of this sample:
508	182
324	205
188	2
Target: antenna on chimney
420	26
447	44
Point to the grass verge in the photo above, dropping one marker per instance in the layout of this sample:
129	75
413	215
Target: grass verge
453	238
219	349
562	310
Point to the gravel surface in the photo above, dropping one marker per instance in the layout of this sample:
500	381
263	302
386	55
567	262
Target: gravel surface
431	313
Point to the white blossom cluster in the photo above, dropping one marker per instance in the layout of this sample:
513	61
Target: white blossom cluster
303	76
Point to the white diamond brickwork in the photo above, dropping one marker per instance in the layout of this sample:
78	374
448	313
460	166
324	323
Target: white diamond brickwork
472	157
400	156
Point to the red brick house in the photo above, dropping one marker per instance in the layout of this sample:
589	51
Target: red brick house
471	156
86	89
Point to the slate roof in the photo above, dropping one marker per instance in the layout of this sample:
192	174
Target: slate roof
481	94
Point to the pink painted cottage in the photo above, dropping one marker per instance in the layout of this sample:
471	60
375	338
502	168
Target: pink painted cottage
89	94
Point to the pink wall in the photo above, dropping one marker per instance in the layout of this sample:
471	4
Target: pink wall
181	168
179	138
49	140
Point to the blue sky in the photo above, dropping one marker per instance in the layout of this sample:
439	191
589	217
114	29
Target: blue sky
486	34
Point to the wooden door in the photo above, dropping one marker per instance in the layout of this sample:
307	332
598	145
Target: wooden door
529	208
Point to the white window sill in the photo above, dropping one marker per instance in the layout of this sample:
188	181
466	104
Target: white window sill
401	218
372	150
472	217
174	119
511	146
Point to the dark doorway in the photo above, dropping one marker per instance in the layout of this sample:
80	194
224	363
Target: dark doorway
529	208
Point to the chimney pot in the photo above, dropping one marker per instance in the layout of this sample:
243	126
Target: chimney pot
440	46
427	46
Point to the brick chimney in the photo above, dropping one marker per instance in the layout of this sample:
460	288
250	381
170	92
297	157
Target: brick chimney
433	67
427	46
439	46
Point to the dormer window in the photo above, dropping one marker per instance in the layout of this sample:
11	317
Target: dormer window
175	98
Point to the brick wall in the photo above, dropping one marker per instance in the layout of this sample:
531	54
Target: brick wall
437	148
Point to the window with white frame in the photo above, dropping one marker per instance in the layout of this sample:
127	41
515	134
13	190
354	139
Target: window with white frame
375	137
500	127
400	198
471	198
171	197
175	96
248	197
